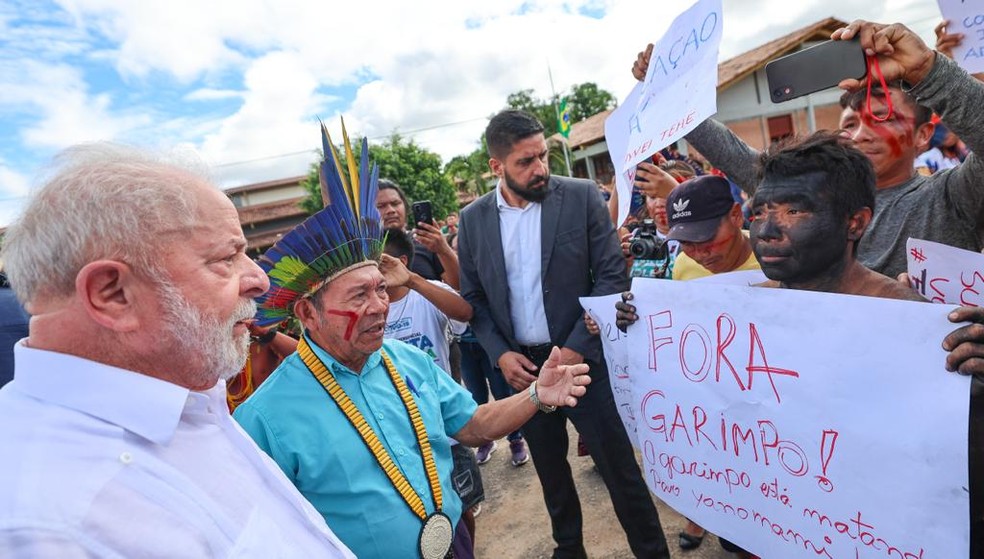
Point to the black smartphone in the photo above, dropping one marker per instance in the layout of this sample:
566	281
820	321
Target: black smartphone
422	211
814	69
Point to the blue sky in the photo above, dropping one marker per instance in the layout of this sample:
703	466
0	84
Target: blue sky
243	82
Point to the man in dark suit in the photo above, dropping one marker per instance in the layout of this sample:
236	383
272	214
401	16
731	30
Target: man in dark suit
527	251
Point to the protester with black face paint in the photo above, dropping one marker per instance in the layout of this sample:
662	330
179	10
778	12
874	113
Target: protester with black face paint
891	129
527	252
809	214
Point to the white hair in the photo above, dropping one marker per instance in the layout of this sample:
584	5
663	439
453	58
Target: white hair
100	201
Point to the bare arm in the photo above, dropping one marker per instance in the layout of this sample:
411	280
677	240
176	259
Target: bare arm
429	235
558	385
446	300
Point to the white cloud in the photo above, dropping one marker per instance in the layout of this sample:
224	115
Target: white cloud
210	94
64	111
277	116
442	66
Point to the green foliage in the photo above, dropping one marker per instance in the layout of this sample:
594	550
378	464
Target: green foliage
416	170
471	173
587	100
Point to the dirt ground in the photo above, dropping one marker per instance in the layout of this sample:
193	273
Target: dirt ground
514	524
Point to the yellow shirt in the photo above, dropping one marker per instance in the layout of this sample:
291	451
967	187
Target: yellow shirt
686	268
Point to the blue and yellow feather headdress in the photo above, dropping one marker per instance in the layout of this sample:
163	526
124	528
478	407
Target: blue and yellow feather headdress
346	234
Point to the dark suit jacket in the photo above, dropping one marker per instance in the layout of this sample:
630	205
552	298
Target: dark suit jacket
580	257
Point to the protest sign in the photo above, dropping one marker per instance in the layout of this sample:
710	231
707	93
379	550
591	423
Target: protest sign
617	139
602	311
680	88
790	424
741	277
966	17
946	274
678	93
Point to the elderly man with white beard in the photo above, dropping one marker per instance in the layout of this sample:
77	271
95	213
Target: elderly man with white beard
116	438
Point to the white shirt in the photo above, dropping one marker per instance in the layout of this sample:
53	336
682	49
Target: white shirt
520	234
104	462
416	321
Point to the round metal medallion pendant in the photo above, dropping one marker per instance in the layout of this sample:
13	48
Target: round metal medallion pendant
435	536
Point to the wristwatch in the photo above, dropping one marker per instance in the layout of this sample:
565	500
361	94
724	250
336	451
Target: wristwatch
536	400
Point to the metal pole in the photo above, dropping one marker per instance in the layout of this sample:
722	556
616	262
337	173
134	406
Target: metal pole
553	98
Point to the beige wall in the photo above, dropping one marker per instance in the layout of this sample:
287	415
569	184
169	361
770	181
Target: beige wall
751	130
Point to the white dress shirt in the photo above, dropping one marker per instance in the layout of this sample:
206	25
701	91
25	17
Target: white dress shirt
104	462
521	241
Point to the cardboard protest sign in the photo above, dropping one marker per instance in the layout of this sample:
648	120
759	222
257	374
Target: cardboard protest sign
966	17
946	274
602	311
791	424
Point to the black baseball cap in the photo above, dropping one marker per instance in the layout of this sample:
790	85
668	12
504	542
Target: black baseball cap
695	207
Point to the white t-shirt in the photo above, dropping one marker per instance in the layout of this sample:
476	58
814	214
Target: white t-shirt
934	160
416	321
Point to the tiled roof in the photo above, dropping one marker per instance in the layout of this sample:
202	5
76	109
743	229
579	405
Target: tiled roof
290	181
734	69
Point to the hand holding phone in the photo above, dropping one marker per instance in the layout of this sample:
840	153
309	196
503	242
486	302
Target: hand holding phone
814	69
423	212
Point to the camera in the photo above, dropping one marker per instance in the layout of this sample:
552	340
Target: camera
646	244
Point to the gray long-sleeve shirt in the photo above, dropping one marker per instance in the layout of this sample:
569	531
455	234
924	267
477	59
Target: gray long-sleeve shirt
946	207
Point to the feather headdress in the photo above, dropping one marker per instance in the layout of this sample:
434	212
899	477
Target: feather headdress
344	235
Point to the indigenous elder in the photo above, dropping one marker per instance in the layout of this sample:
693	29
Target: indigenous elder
358	423
527	251
117	441
809	213
946	207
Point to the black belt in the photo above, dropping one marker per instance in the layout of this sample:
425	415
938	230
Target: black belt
538	354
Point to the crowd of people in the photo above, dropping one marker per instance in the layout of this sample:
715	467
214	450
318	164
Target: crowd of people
133	428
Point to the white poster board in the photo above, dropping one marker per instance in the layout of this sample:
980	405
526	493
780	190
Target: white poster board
946	274
602	311
799	424
966	17
678	93
617	138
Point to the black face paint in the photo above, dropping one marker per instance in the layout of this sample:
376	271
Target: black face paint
795	234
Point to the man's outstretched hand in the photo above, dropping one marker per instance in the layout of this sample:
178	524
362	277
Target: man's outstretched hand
561	385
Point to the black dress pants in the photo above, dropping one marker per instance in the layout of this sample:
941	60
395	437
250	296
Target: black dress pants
595	417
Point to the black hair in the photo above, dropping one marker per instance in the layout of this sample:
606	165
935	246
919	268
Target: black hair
386	184
507	128
850	177
398	243
856	99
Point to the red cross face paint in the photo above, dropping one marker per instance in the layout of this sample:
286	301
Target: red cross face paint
887	139
353	319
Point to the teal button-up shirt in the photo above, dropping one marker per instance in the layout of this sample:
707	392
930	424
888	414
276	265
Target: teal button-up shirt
296	422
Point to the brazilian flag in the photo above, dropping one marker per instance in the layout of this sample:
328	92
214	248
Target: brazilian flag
564	122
